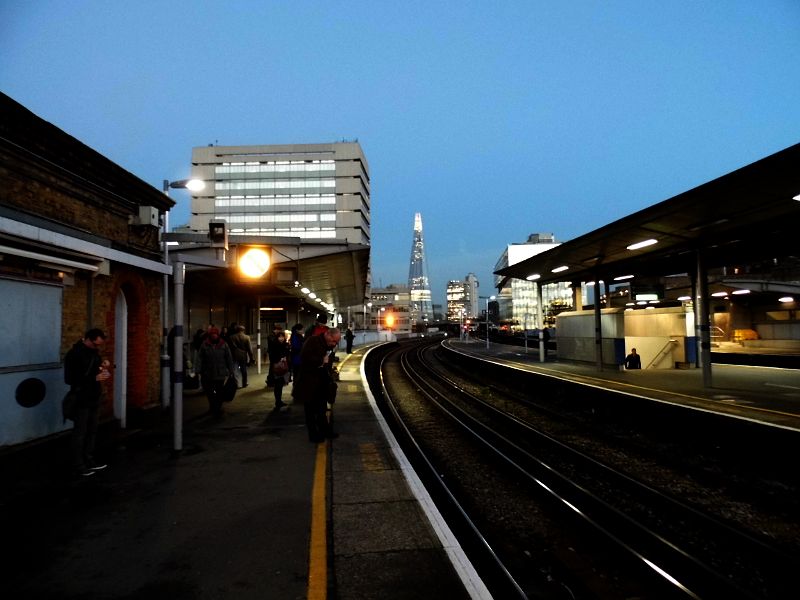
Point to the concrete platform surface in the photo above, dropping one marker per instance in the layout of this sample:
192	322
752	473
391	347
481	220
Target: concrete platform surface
229	517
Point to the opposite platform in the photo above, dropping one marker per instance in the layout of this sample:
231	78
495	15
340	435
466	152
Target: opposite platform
764	394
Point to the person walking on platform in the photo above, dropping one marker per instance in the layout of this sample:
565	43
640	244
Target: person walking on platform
84	370
348	337
242	351
633	360
215	365
278	352
314	382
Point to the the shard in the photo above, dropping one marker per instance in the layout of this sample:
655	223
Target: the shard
418	283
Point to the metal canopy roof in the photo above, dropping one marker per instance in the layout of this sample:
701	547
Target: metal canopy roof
339	279
336	271
745	216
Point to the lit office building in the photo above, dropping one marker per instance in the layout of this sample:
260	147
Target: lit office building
462	299
307	191
456	300
471	296
518	302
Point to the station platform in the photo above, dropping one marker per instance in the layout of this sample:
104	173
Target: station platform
248	509
765	394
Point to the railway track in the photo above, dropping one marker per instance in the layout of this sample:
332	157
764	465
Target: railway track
653	545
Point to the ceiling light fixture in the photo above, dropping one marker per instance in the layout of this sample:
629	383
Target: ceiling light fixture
643	244
623	277
559	269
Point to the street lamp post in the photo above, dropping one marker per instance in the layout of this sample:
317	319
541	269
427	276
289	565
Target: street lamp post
193	185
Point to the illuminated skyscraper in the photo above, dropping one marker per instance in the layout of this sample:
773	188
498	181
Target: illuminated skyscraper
421	306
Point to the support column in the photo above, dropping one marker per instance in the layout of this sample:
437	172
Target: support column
577	298
598	330
179	276
702	319
165	399
542	347
258	334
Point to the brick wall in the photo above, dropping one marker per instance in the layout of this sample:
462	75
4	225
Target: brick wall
50	180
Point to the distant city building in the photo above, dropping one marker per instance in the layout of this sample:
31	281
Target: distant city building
462	299
391	309
418	282
518	301
456	304
471	299
308	191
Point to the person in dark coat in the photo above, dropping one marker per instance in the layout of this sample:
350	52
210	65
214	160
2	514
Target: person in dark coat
215	365
296	340
633	360
313	382
348	337
242	351
84	370
278	350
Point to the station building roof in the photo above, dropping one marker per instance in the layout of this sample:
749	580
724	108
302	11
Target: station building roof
745	216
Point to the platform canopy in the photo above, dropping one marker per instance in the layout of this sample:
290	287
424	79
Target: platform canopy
749	215
336	272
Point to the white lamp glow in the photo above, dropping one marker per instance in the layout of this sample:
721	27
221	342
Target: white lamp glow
254	263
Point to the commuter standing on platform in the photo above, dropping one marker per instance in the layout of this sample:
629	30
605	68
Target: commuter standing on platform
84	370
242	351
348	337
278	351
313	382
215	365
295	346
318	326
633	360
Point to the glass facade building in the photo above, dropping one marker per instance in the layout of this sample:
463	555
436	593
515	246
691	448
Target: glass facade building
418	282
518	301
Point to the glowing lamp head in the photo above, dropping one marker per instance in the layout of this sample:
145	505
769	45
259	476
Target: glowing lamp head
389	320
254	263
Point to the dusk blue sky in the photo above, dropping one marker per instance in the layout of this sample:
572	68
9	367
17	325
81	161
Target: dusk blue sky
494	120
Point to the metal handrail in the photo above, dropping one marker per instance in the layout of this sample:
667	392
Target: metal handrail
663	352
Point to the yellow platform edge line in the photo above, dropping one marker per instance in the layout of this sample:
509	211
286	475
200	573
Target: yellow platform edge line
318	544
